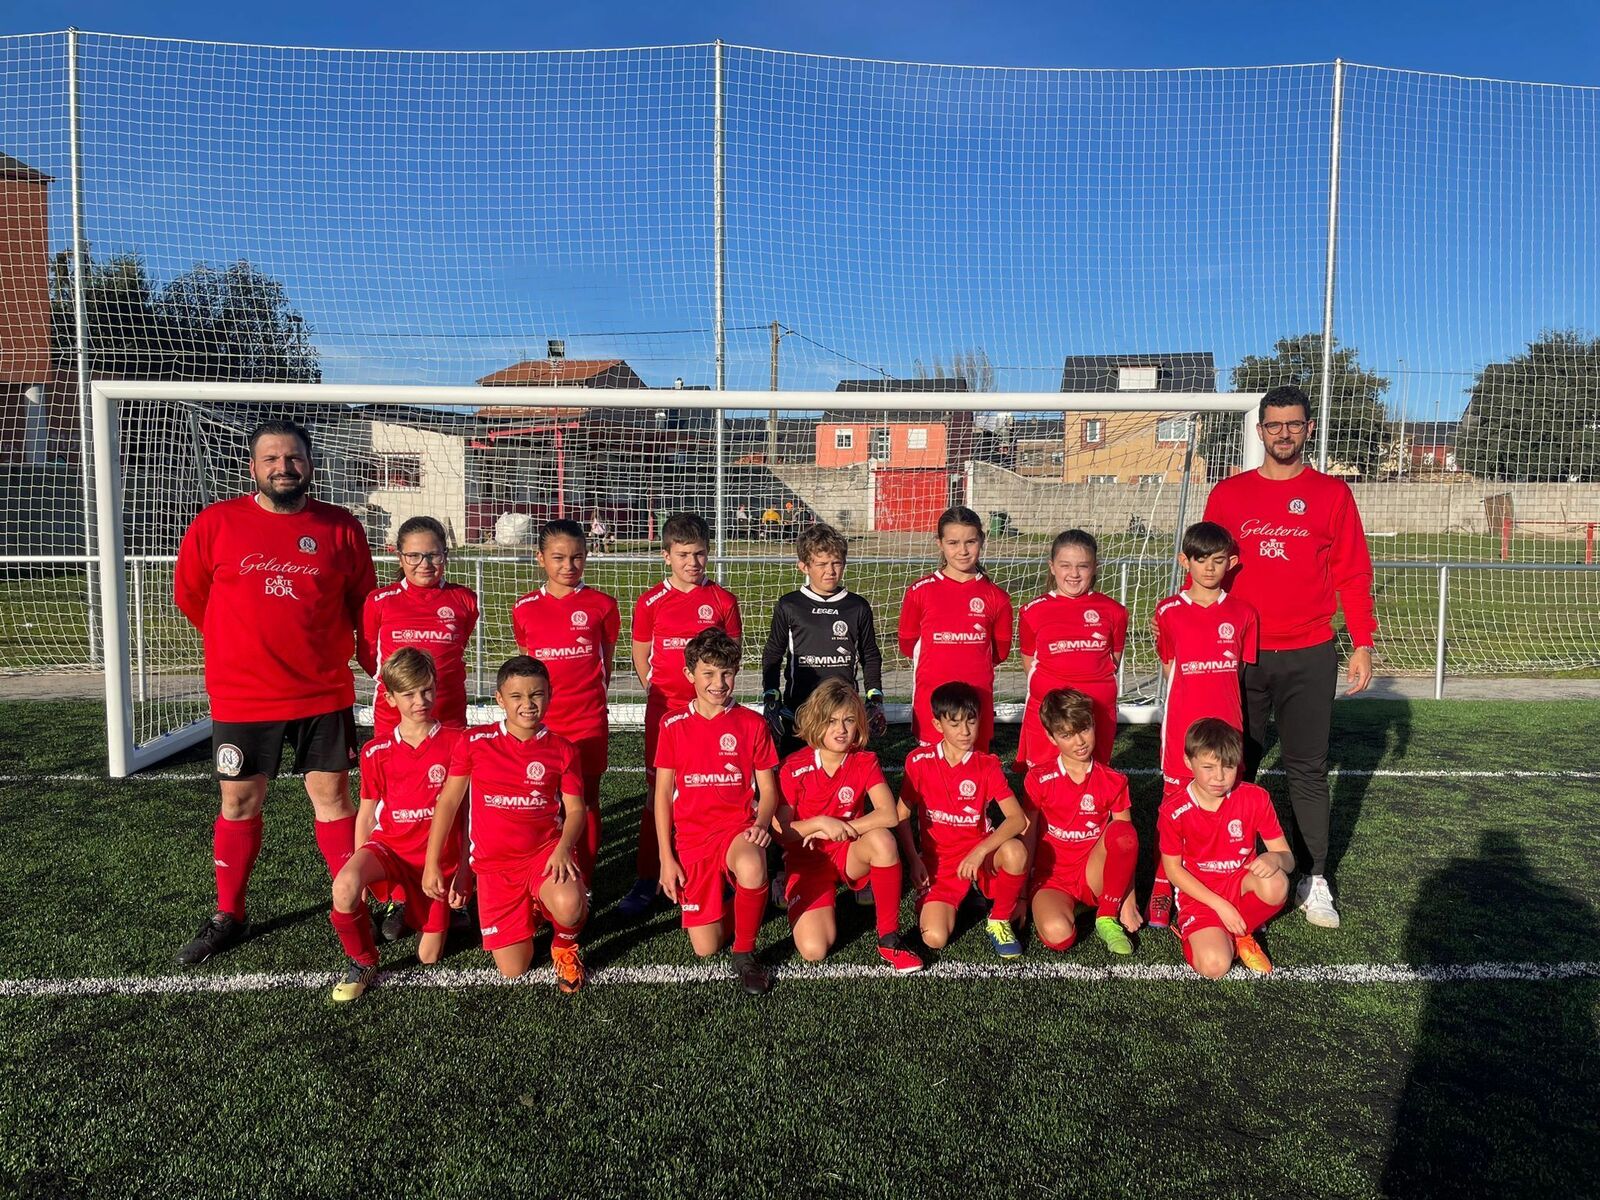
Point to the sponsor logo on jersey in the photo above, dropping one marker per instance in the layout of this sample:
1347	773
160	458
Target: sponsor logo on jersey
1206	666
674	643
446	613
1226	630
580	619
727	743
257	562
280	586
975	605
308	545
1091	616
403	815
1297	506
975	638
1273	548
402	637
536	771
842	659
437	773
1070	835
705	613
968	789
1236	828
1255	527
1096	641
939	817
714	779
583	650
230	759
840	629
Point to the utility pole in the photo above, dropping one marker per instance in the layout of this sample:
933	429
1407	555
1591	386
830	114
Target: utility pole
777	332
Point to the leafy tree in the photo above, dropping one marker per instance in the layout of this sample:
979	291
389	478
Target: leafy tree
1357	422
1536	417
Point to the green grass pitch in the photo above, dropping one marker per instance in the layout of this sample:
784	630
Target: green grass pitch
951	1084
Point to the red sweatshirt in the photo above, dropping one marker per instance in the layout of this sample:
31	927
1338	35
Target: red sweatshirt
1301	545
277	599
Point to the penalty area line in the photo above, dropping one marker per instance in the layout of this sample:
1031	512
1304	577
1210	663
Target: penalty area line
1341	974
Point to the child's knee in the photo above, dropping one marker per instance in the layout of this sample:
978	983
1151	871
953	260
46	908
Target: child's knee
428	955
1274	890
511	970
881	848
813	949
935	937
1012	857
749	865
346	891
1213	965
1054	928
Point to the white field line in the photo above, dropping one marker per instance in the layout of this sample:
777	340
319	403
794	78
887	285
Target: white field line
1353	772
1348	974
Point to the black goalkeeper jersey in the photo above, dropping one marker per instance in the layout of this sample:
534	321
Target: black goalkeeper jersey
820	637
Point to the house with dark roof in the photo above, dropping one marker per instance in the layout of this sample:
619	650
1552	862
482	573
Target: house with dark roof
913	439
26	435
1128	447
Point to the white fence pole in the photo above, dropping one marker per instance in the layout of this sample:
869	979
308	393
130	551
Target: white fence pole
1324	425
1439	638
719	317
80	322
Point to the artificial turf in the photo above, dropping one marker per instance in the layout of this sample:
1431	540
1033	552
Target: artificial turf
873	1086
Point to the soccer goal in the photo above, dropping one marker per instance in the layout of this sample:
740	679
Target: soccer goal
493	464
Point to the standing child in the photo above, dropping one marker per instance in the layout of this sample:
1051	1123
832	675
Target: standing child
526	821
1088	847
1071	637
715	799
819	632
1208	837
401	778
830	834
949	786
1204	637
572	629
955	625
664	619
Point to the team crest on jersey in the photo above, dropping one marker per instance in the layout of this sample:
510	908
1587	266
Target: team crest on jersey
535	772
706	613
728	744
308	545
968	789
840	629
1236	829
1091	616
1297	506
446	613
436	774
1225	630
846	794
229	760
1087	803
580	619
975	605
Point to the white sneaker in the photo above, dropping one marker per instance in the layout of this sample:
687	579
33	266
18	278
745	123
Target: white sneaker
1313	897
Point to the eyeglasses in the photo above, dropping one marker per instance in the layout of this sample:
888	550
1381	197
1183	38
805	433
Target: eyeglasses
432	558
1276	427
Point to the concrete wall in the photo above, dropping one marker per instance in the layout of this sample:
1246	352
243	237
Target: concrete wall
443	493
838	495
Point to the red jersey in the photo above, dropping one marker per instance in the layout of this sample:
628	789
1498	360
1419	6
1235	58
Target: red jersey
574	637
405	781
1075	815
954	630
277	599
1201	649
1300	544
517	788
437	619
713	761
1072	639
951	801
667	617
1213	845
812	792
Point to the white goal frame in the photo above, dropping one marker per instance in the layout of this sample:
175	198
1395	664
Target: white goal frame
125	757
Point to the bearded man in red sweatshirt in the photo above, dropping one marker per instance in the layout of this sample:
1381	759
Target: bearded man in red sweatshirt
1302	555
274	581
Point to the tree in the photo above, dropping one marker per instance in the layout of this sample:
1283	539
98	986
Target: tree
1357	422
1536	417
972	367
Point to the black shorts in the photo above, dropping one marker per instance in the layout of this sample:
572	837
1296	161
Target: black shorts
326	742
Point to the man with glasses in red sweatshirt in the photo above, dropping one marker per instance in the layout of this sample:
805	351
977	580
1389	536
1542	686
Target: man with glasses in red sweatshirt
1302	554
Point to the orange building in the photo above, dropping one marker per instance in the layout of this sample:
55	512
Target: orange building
25	367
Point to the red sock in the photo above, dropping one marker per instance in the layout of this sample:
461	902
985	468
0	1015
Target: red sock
1065	944
749	906
355	935
648	864
1122	854
337	841
589	846
1163	885
234	846
1255	912
564	935
1005	891
886	882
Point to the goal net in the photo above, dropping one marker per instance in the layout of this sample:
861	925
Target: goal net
494	464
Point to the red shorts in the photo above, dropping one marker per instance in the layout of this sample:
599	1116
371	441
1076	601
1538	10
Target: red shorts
946	887
593	758
1195	915
1033	741
706	880
509	909
422	912
657	707
1058	873
922	717
815	875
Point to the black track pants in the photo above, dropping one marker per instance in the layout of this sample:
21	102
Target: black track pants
1296	688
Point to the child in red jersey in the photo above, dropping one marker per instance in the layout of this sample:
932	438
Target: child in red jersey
715	800
830	834
401	778
1087	844
526	822
1071	637
1204	637
949	786
572	629
1208	837
424	610
664	619
955	624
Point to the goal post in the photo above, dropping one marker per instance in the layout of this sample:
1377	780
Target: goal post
493	463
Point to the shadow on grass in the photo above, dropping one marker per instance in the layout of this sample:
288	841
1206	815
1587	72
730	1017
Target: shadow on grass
1353	754
1499	1099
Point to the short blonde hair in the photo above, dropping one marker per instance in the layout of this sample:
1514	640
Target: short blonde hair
811	722
407	669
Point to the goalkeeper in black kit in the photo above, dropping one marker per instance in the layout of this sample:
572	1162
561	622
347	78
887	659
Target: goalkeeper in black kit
821	631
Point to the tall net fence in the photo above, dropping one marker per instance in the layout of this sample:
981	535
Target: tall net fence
688	216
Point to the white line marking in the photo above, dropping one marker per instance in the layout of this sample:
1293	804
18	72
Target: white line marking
1351	974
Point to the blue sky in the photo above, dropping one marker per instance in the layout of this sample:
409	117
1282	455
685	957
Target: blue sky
436	217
